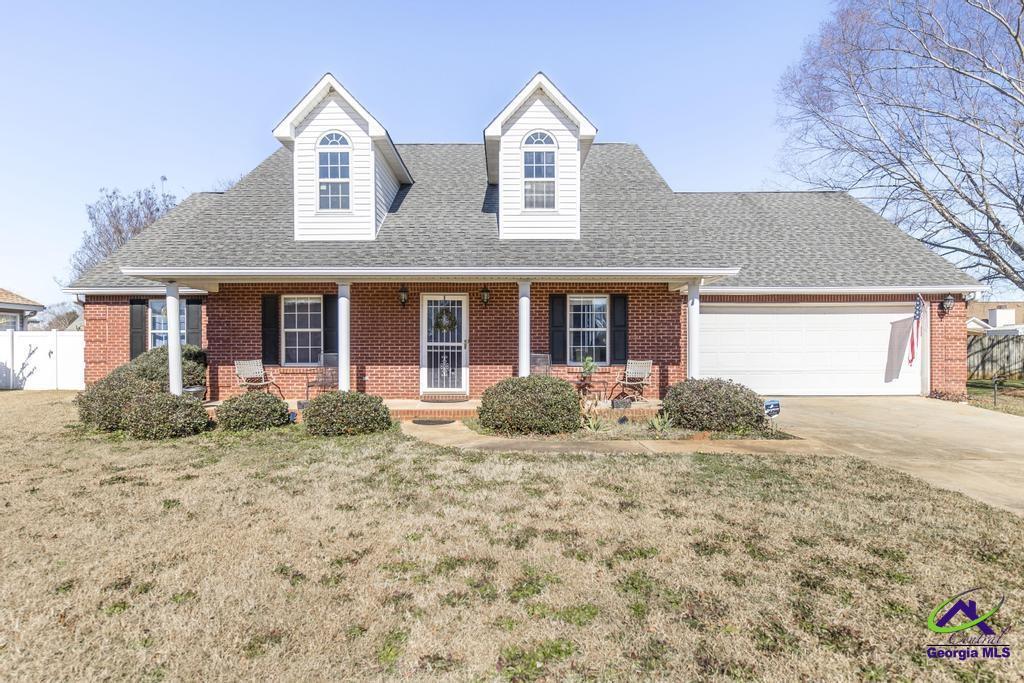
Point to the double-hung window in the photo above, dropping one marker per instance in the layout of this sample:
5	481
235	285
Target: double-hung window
588	329
539	171
302	328
158	321
333	172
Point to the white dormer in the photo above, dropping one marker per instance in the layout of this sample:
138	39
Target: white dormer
346	170
535	150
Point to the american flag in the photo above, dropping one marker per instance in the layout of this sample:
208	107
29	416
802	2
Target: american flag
915	331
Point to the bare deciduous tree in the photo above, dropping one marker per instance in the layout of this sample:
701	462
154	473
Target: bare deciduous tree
918	106
114	219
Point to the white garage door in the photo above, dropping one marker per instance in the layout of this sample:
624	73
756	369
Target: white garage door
804	350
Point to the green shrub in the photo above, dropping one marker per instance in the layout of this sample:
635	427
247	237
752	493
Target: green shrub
163	416
338	413
714	405
152	365
105	404
252	411
539	404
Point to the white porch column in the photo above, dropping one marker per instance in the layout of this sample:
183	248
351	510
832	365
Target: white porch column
173	339
524	329
344	337
693	330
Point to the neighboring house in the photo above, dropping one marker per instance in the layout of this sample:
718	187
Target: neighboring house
1011	312
15	310
977	327
440	268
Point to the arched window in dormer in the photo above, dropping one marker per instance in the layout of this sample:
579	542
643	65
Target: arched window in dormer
539	171
333	171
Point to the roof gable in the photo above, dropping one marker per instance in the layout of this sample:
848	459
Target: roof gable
540	82
285	130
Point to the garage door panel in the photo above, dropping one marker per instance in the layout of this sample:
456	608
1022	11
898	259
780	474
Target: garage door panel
819	350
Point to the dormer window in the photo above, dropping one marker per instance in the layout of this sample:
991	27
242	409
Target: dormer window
333	163
539	171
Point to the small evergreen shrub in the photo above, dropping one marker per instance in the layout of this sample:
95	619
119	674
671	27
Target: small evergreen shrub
104	404
252	411
337	413
714	405
164	416
152	365
539	404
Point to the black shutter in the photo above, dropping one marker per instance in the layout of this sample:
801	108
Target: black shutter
330	337
556	329
620	328
271	330
194	322
137	317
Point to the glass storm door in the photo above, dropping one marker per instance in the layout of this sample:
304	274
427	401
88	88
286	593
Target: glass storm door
444	348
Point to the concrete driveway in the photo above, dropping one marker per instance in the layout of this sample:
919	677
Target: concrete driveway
955	446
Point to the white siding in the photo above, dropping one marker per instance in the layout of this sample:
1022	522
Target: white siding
358	223
386	186
539	112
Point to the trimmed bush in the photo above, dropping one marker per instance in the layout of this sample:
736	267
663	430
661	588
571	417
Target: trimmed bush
539	404
152	365
164	416
104	405
252	411
714	405
338	413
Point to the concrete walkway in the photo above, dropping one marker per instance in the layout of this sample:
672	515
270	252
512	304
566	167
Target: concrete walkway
951	445
459	435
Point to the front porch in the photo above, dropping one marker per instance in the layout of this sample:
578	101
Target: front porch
404	409
409	342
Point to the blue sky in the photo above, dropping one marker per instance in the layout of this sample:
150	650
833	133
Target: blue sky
115	95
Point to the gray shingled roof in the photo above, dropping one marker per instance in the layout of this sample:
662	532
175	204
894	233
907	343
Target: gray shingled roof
630	218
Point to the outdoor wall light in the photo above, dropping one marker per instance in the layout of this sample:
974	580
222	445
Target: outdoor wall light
403	295
485	295
948	303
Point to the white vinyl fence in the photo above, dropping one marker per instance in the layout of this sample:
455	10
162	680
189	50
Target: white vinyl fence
42	360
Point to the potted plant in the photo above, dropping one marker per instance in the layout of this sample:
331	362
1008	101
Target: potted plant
588	368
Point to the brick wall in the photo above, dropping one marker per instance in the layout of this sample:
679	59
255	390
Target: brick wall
385	336
107	329
657	328
106	335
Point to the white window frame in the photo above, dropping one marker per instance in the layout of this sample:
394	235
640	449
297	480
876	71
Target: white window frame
347	182
553	148
17	319
182	303
281	359
569	329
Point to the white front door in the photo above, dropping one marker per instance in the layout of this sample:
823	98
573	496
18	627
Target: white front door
444	343
813	350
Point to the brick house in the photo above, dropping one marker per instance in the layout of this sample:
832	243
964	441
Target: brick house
438	269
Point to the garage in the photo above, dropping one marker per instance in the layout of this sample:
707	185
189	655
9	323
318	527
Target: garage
812	350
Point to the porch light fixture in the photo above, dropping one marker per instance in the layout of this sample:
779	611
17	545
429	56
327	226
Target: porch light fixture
403	295
485	295
948	303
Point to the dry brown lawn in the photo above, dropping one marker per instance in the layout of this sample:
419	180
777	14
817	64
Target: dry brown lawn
1011	396
281	556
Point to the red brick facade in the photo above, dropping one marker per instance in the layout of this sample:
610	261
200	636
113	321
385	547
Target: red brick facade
385	346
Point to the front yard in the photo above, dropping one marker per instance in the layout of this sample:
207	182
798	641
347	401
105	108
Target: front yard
280	555
1010	399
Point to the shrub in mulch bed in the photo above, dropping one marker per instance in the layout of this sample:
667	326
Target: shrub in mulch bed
714	405
165	416
252	411
104	405
539	404
344	413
